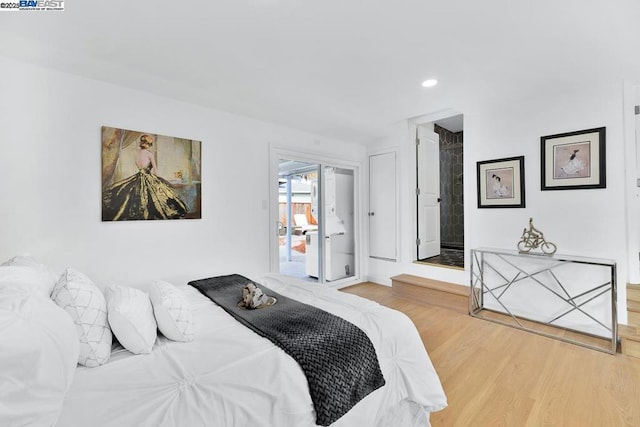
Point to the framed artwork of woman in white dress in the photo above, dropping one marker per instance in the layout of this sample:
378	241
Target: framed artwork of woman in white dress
574	160
501	183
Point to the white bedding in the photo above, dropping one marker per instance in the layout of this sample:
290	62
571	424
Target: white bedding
230	376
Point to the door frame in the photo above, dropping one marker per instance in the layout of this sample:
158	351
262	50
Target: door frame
631	98
422	141
413	124
275	154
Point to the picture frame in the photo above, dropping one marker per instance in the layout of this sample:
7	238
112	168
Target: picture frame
149	176
573	160
501	183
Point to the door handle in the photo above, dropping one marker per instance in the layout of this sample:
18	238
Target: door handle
371	213
439	199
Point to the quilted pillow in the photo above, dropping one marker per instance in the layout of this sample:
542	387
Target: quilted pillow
131	318
86	305
172	311
38	359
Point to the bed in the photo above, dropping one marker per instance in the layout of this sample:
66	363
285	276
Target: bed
230	376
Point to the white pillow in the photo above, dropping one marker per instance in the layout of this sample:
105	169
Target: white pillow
26	279
48	277
29	261
131	318
86	305
172	311
38	359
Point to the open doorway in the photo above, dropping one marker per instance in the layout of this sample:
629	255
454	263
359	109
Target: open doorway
316	221
440	196
297	218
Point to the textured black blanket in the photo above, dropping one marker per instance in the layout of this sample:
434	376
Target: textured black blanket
338	359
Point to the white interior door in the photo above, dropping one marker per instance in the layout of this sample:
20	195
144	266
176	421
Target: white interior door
638	143
428	193
339	223
382	206
638	153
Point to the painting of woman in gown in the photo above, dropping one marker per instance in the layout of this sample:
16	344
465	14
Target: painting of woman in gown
144	194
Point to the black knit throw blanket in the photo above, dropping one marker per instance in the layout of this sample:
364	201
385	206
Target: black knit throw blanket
337	357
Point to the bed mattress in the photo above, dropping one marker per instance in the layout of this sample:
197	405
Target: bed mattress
230	376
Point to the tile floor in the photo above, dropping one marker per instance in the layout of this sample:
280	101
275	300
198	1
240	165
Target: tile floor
449	257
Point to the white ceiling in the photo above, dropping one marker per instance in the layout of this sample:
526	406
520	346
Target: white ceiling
344	69
453	123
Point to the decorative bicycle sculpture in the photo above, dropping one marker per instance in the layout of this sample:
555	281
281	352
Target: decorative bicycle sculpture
534	238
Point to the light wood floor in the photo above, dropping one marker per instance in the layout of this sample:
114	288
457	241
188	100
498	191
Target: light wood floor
494	375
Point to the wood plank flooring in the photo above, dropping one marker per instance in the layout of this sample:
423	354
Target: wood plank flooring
494	375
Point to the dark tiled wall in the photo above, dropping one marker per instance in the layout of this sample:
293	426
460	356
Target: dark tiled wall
451	188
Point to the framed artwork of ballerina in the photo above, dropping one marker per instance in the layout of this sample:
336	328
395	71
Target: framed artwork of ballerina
149	176
574	160
501	183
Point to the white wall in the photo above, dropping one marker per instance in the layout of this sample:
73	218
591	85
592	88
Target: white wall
585	222
50	199
50	172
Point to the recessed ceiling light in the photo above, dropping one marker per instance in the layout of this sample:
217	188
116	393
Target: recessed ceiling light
429	83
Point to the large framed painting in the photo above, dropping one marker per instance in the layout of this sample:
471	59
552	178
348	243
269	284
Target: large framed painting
574	160
501	183
149	176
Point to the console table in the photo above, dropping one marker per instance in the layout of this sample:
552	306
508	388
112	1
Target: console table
565	297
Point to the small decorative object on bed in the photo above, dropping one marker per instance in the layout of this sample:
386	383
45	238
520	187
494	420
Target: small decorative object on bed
533	238
501	183
149	176
337	357
253	297
574	160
